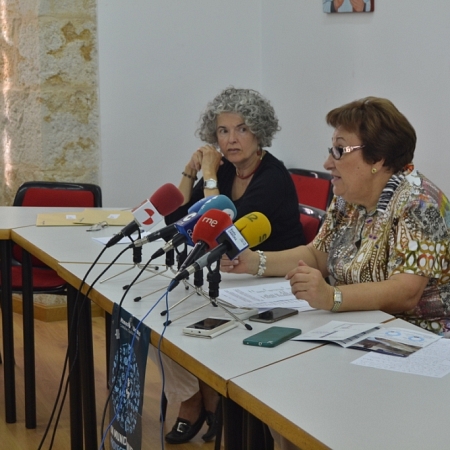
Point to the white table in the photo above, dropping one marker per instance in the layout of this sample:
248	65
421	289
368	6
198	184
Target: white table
215	354
73	244
215	361
320	400
67	248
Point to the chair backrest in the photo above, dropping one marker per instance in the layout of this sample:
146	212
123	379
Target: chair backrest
55	193
311	219
313	188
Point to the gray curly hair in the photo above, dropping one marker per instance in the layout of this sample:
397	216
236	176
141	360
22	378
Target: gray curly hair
257	112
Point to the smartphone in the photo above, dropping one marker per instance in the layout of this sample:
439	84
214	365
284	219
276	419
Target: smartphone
273	315
271	337
210	327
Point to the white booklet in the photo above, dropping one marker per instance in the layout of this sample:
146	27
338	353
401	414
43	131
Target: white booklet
371	337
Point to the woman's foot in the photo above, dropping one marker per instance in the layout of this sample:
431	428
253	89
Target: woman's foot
214	424
183	430
191	417
211	402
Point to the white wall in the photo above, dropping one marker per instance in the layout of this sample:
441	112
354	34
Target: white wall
161	61
313	62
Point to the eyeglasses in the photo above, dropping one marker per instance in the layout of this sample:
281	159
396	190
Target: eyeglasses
337	152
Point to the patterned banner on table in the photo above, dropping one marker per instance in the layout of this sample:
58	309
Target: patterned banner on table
129	350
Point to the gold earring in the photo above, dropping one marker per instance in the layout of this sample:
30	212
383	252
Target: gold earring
374	170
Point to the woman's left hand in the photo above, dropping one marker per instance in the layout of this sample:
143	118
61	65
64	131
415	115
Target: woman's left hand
308	284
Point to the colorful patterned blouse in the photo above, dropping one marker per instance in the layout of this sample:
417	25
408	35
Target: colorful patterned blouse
407	233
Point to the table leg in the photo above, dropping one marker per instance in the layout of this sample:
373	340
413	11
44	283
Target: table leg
28	341
76	412
108	319
232	425
257	434
87	374
8	332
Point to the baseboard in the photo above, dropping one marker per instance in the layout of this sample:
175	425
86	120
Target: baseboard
51	313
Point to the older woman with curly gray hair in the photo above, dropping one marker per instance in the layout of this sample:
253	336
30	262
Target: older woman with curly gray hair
258	114
237	126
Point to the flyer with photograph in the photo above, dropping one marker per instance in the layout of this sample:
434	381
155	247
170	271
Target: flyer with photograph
371	337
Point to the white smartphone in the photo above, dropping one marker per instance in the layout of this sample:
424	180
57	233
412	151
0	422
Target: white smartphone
210	327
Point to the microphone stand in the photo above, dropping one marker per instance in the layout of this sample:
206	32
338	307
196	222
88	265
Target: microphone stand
198	283
214	278
197	289
137	263
170	262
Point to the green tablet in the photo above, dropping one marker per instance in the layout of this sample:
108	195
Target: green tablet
271	337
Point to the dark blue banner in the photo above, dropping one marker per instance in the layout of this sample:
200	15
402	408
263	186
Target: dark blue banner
129	351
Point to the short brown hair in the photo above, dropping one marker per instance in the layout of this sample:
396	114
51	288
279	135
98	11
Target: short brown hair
385	132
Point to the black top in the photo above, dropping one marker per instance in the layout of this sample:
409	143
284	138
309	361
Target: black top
270	192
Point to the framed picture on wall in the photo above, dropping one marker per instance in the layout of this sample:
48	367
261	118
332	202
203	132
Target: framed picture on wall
348	6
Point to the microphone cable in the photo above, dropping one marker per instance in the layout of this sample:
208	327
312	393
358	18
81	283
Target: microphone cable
71	324
114	378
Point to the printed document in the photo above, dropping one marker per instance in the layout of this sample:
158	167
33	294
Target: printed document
263	297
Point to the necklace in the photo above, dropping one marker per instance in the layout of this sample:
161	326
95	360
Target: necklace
251	173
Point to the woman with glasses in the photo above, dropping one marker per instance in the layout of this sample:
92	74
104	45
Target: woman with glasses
385	239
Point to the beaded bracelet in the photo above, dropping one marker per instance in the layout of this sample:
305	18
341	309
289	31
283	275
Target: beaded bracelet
262	263
189	176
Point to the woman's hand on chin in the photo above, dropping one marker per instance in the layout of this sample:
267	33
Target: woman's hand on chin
211	160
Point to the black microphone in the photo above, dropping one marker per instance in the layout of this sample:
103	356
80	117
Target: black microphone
168	232
170	245
232	243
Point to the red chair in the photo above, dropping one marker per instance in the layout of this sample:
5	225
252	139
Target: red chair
313	188
42	279
51	194
311	219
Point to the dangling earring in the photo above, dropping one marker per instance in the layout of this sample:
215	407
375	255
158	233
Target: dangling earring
374	170
259	152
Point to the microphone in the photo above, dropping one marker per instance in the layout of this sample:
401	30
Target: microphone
169	231
164	201
186	225
205	232
197	205
249	231
203	235
255	227
221	202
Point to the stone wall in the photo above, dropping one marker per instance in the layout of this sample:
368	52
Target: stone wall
49	94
